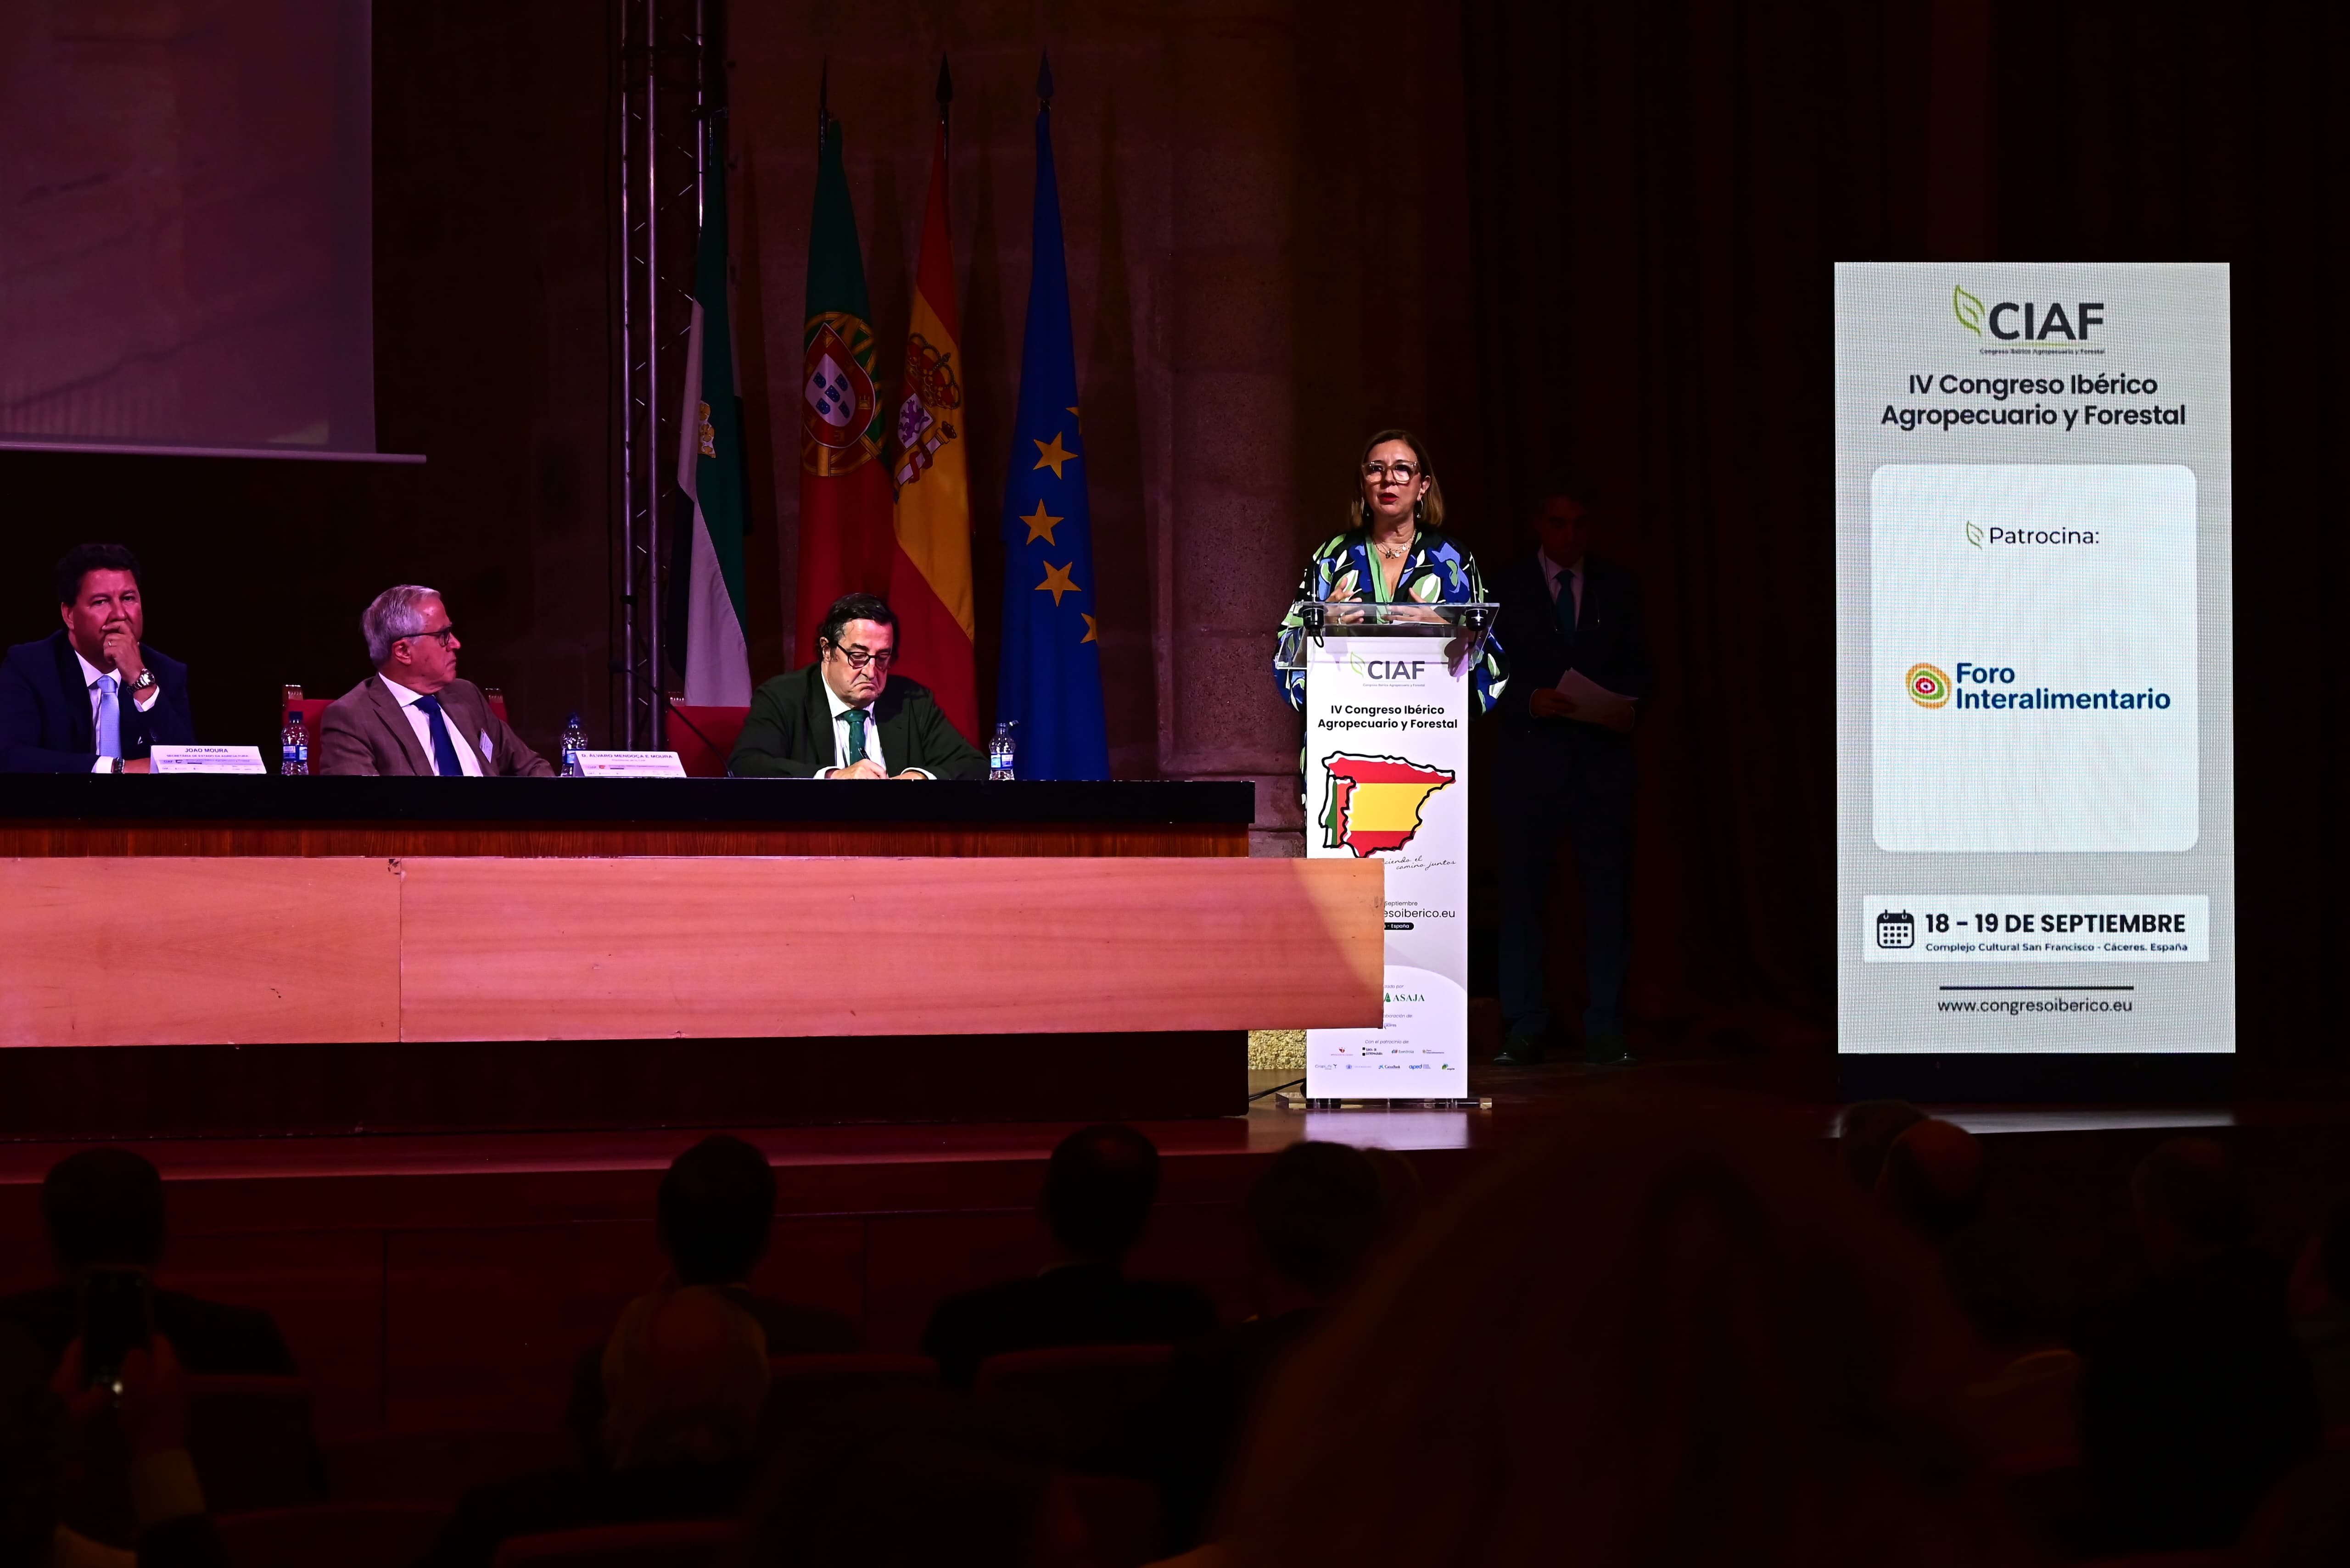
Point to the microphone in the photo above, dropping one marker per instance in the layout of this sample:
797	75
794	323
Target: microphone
621	666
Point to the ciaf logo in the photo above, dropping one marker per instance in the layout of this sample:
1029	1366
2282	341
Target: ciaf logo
1927	685
2027	321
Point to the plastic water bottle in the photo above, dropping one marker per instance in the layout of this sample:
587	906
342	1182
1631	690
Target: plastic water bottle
575	740
293	741
1002	752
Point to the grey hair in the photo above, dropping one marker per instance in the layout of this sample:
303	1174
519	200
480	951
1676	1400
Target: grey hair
395	613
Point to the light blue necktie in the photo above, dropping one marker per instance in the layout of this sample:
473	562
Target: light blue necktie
109	719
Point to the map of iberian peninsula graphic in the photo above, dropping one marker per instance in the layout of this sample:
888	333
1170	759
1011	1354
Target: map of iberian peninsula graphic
1374	802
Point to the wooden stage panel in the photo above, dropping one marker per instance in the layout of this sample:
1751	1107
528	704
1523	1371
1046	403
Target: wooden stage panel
552	949
153	953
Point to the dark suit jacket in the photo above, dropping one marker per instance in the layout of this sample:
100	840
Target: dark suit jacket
789	732
364	731
1076	1304
45	721
210	1339
1609	647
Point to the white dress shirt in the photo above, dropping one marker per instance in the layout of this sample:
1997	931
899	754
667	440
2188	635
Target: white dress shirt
421	722
91	676
1560	577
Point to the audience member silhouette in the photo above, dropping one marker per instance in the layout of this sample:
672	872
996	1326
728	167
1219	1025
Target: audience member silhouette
1099	1188
105	1207
1317	1212
684	1375
2321	1312
2022	1389
41	1403
715	1210
1656	1333
1865	1132
2195	1396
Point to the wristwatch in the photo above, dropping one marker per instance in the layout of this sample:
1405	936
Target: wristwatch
118	764
146	682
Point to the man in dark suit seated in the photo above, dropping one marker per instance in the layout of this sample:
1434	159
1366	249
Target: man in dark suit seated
1098	1191
715	1208
104	1207
413	718
846	716
1563	768
92	697
684	1376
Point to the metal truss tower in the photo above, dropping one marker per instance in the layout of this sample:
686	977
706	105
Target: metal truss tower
660	84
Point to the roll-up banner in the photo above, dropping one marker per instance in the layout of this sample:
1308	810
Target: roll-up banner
2035	718
1387	776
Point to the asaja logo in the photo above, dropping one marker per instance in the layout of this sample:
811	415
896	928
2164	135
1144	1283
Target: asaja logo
1928	686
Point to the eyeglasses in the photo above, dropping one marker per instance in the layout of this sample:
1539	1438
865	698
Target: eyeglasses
443	632
1404	472
858	659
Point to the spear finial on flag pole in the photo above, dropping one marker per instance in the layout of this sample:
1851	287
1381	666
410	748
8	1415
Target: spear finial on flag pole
823	104
1044	76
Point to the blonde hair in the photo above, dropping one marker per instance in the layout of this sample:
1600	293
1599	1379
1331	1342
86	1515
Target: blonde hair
1431	505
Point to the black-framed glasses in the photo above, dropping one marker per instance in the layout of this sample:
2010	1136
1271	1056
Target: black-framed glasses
1404	472
858	659
443	632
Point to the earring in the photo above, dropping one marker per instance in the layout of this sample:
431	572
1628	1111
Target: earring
1419	510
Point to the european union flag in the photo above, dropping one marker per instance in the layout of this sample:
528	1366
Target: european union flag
1050	675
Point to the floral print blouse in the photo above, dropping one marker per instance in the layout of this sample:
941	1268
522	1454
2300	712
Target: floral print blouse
1436	572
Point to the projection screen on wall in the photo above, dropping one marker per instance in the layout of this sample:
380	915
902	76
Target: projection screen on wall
184	226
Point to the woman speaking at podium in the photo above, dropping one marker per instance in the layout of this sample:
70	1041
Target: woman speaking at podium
1396	552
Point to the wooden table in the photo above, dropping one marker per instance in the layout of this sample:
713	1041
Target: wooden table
268	955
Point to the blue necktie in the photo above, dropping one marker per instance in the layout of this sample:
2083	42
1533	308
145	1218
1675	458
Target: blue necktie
445	750
108	720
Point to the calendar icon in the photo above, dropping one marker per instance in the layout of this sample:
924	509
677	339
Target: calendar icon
1894	929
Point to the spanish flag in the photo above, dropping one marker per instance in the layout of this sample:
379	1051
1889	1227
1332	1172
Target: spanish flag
930	570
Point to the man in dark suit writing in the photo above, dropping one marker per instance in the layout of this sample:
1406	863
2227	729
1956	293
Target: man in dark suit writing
92	697
1564	767
846	716
413	718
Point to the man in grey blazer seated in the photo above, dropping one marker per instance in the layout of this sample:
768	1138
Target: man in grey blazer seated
846	716
413	718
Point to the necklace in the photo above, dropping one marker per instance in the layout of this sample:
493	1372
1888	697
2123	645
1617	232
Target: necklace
1398	552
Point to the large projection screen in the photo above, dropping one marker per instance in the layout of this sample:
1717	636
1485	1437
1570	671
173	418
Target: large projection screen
2035	721
185	231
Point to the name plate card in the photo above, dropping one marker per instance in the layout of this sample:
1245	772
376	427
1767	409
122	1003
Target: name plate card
631	765
206	759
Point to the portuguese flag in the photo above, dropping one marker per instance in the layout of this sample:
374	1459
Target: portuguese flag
845	502
930	569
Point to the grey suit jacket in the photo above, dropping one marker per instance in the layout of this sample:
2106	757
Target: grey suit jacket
363	731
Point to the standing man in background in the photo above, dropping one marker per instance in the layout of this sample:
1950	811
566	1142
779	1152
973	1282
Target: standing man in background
92	697
1572	624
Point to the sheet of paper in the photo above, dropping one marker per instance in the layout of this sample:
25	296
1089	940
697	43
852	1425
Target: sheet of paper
631	765
1593	703
206	759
